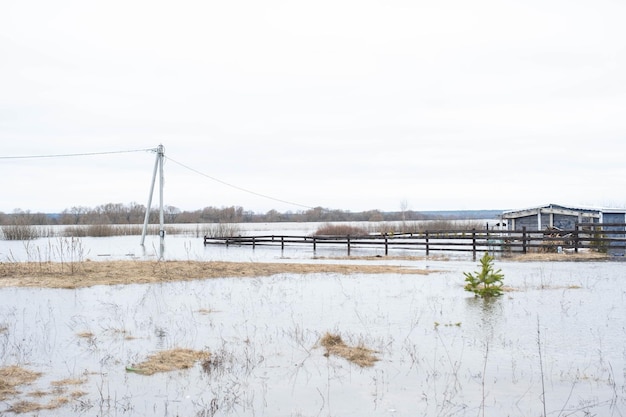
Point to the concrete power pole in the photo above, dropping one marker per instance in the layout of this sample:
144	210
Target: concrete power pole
158	165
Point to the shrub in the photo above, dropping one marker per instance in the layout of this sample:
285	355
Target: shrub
418	227
221	230
487	282
340	230
107	230
20	232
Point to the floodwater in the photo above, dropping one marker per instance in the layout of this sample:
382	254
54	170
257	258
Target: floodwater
554	345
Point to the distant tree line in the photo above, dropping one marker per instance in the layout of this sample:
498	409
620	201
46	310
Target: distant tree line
133	213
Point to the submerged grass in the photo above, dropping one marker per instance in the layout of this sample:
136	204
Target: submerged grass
358	355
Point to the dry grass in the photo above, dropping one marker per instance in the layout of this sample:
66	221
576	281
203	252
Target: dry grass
6	390
387	257
13	376
77	394
169	360
66	382
22	407
88	273
559	287
38	394
25	407
559	257
358	355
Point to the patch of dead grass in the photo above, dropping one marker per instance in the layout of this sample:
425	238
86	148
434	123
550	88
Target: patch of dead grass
169	360
66	382
6	390
13	376
38	394
559	287
77	394
26	274
387	257
22	407
358	355
559	257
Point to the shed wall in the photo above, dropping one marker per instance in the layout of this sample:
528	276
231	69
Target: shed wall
615	218
564	222
529	222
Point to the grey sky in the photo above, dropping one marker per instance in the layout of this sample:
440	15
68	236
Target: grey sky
352	105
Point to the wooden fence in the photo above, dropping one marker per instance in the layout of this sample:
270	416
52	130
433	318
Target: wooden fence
602	237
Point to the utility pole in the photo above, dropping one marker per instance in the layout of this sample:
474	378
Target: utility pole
158	165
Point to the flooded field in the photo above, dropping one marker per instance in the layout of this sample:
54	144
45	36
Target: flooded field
552	345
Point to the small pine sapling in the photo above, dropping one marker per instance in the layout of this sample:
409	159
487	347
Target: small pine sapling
487	282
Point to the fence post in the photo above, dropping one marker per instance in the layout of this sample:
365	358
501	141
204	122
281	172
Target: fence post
576	242
282	242
253	242
314	244
524	240
348	240
386	246
427	245
474	244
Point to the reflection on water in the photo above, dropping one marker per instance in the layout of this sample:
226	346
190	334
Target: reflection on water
442	351
487	312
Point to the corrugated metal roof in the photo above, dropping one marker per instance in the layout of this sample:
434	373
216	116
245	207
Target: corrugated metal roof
558	206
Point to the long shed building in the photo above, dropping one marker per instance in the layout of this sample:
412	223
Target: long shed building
550	215
566	218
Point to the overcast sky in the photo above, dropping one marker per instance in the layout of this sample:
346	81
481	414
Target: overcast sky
351	105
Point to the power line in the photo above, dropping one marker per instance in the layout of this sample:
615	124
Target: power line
237	187
66	155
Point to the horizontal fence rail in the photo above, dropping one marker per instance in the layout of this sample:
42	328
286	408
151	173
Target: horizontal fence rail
602	237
